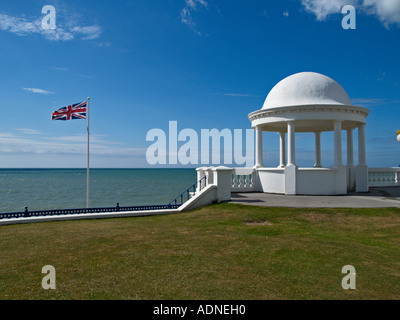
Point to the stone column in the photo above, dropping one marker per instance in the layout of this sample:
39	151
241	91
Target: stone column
362	168
283	149
350	161
317	150
362	157
338	143
291	168
350	152
341	171
291	144
259	148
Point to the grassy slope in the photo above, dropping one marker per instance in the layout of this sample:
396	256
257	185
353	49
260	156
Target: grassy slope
210	253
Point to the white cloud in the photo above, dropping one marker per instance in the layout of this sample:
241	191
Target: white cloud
29	131
286	13
104	44
323	8
372	102
387	11
22	26
186	13
97	139
18	26
60	69
186	17
194	4
239	95
368	102
40	91
88	33
25	142
381	76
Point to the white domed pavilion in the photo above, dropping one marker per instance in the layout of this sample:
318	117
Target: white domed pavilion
311	102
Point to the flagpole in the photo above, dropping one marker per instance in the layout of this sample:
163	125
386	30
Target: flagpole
88	155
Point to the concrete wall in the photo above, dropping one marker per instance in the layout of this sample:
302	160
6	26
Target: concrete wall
272	180
205	197
322	181
362	178
311	181
316	181
88	216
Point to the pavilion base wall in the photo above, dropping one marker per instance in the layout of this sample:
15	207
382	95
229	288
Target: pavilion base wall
272	179
362	178
341	180
322	181
290	180
308	181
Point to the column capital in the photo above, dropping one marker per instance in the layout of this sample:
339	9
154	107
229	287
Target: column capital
337	125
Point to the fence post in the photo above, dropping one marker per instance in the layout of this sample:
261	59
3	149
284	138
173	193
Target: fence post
200	176
223	179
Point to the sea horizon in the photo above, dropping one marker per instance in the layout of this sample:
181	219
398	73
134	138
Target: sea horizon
65	188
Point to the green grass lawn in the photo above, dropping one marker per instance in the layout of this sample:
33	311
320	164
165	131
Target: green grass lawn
224	251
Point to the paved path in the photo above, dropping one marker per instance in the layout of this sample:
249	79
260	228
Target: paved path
375	198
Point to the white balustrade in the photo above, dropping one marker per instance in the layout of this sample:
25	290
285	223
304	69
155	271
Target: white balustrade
383	177
243	180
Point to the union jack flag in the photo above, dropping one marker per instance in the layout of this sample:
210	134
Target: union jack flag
74	111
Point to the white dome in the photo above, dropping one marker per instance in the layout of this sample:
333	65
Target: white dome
306	88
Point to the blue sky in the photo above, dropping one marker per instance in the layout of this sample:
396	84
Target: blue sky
204	63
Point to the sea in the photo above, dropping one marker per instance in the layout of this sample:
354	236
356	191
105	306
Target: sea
47	189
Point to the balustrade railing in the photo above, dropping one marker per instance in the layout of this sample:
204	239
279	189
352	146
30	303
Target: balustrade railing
243	180
383	177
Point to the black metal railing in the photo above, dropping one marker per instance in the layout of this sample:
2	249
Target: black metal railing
56	212
174	204
180	200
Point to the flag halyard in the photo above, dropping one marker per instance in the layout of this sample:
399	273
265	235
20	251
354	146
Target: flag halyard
72	112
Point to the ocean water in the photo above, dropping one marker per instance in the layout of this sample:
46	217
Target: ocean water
46	189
